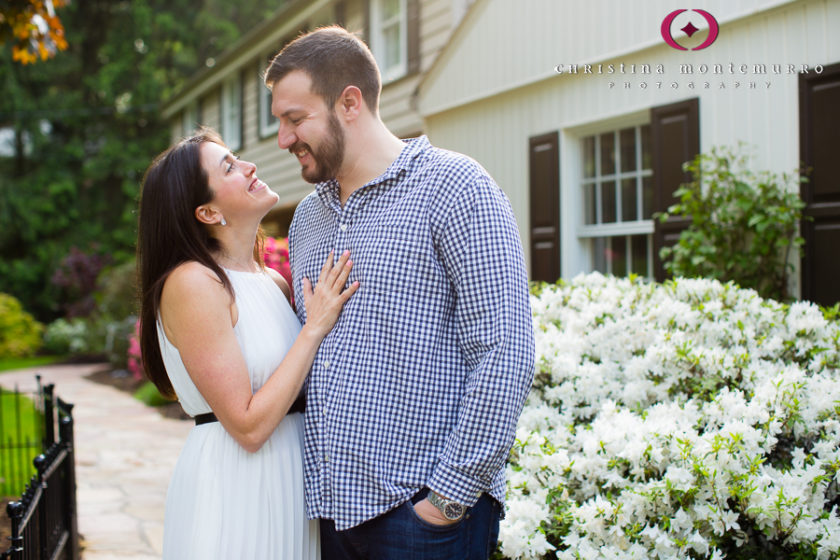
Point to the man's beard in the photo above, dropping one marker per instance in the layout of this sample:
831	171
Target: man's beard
327	160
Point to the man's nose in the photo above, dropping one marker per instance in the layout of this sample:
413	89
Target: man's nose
285	137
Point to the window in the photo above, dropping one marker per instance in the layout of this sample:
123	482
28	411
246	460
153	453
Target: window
190	119
232	113
617	189
388	40
268	125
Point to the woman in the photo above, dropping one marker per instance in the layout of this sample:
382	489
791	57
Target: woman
218	332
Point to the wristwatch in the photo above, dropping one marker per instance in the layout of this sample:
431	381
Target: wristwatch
450	509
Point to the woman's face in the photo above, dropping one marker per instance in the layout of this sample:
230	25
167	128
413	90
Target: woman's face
237	192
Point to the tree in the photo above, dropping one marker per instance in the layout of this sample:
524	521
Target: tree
33	27
80	130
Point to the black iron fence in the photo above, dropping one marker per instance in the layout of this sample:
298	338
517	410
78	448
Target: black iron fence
44	522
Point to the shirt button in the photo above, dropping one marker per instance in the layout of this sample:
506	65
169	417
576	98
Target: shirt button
327	364
343	227
326	458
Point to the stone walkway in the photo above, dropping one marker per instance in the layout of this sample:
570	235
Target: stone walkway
125	453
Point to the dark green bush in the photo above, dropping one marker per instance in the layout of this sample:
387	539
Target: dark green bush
20	334
117	296
744	225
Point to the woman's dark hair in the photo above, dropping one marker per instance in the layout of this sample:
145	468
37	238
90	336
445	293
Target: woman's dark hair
169	234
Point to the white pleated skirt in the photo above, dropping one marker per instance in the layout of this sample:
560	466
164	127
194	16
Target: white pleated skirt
226	503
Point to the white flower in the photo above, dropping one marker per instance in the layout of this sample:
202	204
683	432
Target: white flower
693	402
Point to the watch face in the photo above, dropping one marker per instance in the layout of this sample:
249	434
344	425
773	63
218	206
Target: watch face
453	511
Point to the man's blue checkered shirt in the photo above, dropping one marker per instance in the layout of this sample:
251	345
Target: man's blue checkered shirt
422	380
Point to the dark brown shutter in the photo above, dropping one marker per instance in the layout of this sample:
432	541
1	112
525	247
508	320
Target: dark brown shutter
675	139
819	144
413	35
544	167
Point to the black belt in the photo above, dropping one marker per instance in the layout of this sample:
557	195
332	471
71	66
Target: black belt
298	406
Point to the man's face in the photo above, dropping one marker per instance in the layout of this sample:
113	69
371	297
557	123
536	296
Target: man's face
308	128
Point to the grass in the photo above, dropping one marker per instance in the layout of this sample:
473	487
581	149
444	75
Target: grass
9	364
20	423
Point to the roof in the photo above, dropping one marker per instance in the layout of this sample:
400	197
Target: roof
253	44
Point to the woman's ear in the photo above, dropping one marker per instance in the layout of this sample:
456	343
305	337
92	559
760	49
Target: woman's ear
208	215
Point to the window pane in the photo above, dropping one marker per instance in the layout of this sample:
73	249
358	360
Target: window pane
599	254
589	201
589	156
646	161
628	200
392	46
627	138
618	255
639	248
647	198
390	8
607	154
608	206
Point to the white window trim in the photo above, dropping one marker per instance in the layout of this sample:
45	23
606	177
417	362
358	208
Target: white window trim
641	227
232	121
377	41
268	125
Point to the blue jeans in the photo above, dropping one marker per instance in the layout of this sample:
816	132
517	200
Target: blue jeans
401	534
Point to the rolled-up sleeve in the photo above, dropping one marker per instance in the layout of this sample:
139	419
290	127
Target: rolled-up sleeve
479	245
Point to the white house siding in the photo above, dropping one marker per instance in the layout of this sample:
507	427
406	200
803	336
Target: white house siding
278	168
487	96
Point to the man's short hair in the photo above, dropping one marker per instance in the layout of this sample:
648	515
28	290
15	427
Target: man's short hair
333	58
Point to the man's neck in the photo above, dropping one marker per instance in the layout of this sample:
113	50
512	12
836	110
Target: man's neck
375	153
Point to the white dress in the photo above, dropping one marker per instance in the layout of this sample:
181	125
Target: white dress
224	502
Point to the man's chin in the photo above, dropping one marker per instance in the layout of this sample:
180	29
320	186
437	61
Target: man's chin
314	178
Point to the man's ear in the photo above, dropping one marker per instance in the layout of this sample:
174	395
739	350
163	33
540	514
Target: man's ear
349	103
208	215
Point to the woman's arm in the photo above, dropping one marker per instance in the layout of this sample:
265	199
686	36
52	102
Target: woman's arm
198	316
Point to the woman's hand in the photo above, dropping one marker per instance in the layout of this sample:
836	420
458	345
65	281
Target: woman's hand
325	301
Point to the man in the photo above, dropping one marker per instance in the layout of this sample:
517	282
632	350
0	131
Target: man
414	396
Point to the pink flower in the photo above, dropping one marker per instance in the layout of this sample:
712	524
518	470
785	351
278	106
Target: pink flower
276	256
135	360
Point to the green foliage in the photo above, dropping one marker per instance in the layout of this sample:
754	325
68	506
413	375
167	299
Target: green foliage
86	124
65	336
11	364
744	225
20	334
115	336
148	394
117	297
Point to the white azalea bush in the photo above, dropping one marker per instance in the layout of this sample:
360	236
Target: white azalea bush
690	419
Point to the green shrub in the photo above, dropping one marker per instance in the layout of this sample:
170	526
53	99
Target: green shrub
743	225
117	299
117	337
148	394
20	333
67	337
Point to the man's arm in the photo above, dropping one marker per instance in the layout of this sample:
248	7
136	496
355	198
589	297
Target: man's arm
479	245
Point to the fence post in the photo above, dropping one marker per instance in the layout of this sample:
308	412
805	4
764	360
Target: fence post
65	430
49	416
41	463
15	512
